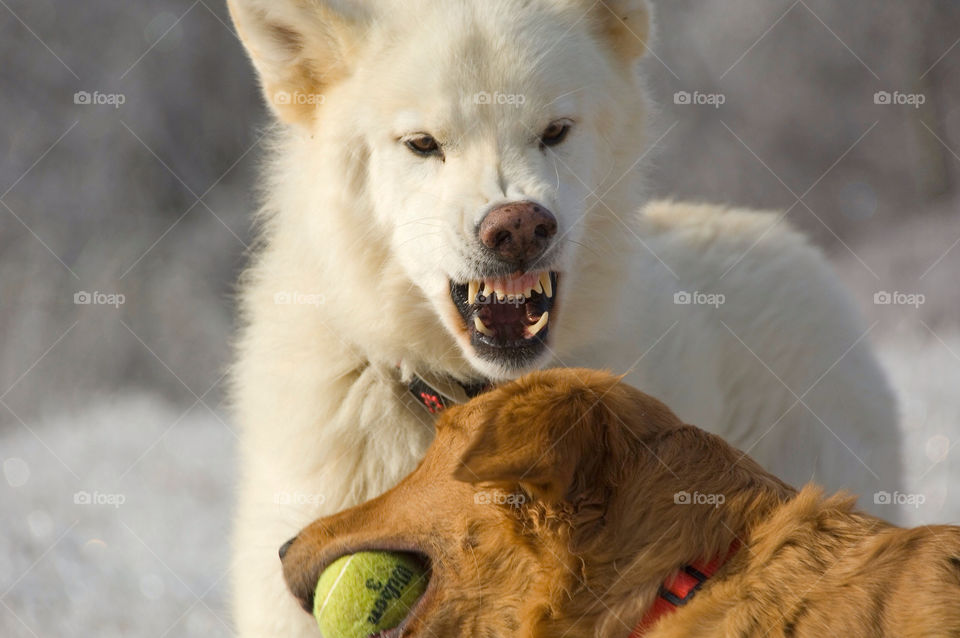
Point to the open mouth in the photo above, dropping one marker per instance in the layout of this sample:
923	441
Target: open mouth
507	318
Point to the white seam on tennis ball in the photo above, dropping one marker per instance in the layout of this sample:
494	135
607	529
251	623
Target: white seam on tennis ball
343	570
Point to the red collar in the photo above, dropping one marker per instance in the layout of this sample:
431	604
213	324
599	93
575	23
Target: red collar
677	590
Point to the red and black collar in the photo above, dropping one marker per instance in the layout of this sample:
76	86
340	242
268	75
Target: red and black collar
436	401
679	589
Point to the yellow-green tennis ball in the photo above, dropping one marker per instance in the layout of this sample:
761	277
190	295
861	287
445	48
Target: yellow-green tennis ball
366	593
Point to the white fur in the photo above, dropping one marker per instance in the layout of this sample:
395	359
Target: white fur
374	233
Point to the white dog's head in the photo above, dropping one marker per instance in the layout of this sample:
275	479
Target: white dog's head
488	132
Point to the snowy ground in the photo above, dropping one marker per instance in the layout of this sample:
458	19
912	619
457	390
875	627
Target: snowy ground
148	555
122	526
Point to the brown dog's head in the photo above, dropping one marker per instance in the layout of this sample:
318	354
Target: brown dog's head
533	504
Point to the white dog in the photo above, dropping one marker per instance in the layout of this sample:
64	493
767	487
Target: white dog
454	198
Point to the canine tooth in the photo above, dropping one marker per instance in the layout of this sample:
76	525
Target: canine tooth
472	290
537	327
481	327
546	283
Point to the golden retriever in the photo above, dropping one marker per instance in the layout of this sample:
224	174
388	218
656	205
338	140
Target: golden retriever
568	503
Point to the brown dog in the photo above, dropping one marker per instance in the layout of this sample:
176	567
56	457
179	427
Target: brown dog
570	504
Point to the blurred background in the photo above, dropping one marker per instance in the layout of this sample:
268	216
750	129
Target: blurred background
129	142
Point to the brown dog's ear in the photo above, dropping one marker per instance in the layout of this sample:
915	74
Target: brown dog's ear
543	432
298	48
498	456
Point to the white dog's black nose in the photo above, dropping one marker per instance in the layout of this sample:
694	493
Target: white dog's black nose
518	232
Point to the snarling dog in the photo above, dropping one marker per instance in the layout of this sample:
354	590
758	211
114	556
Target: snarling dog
455	196
571	504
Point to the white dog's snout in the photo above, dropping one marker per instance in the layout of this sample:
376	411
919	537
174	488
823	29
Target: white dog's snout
517	232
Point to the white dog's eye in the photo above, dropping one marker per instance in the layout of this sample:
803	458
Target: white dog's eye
555	133
424	145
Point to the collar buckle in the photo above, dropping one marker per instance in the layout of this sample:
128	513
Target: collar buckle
436	401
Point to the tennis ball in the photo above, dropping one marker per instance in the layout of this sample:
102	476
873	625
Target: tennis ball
366	593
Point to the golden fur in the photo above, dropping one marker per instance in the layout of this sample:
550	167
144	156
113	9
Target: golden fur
547	508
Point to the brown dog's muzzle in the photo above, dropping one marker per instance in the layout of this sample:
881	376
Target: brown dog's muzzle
424	515
300	572
401	520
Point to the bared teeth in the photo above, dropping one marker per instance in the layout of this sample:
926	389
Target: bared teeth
537	327
546	284
481	327
513	290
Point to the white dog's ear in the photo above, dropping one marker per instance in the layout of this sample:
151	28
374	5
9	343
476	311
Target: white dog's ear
626	24
299	48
